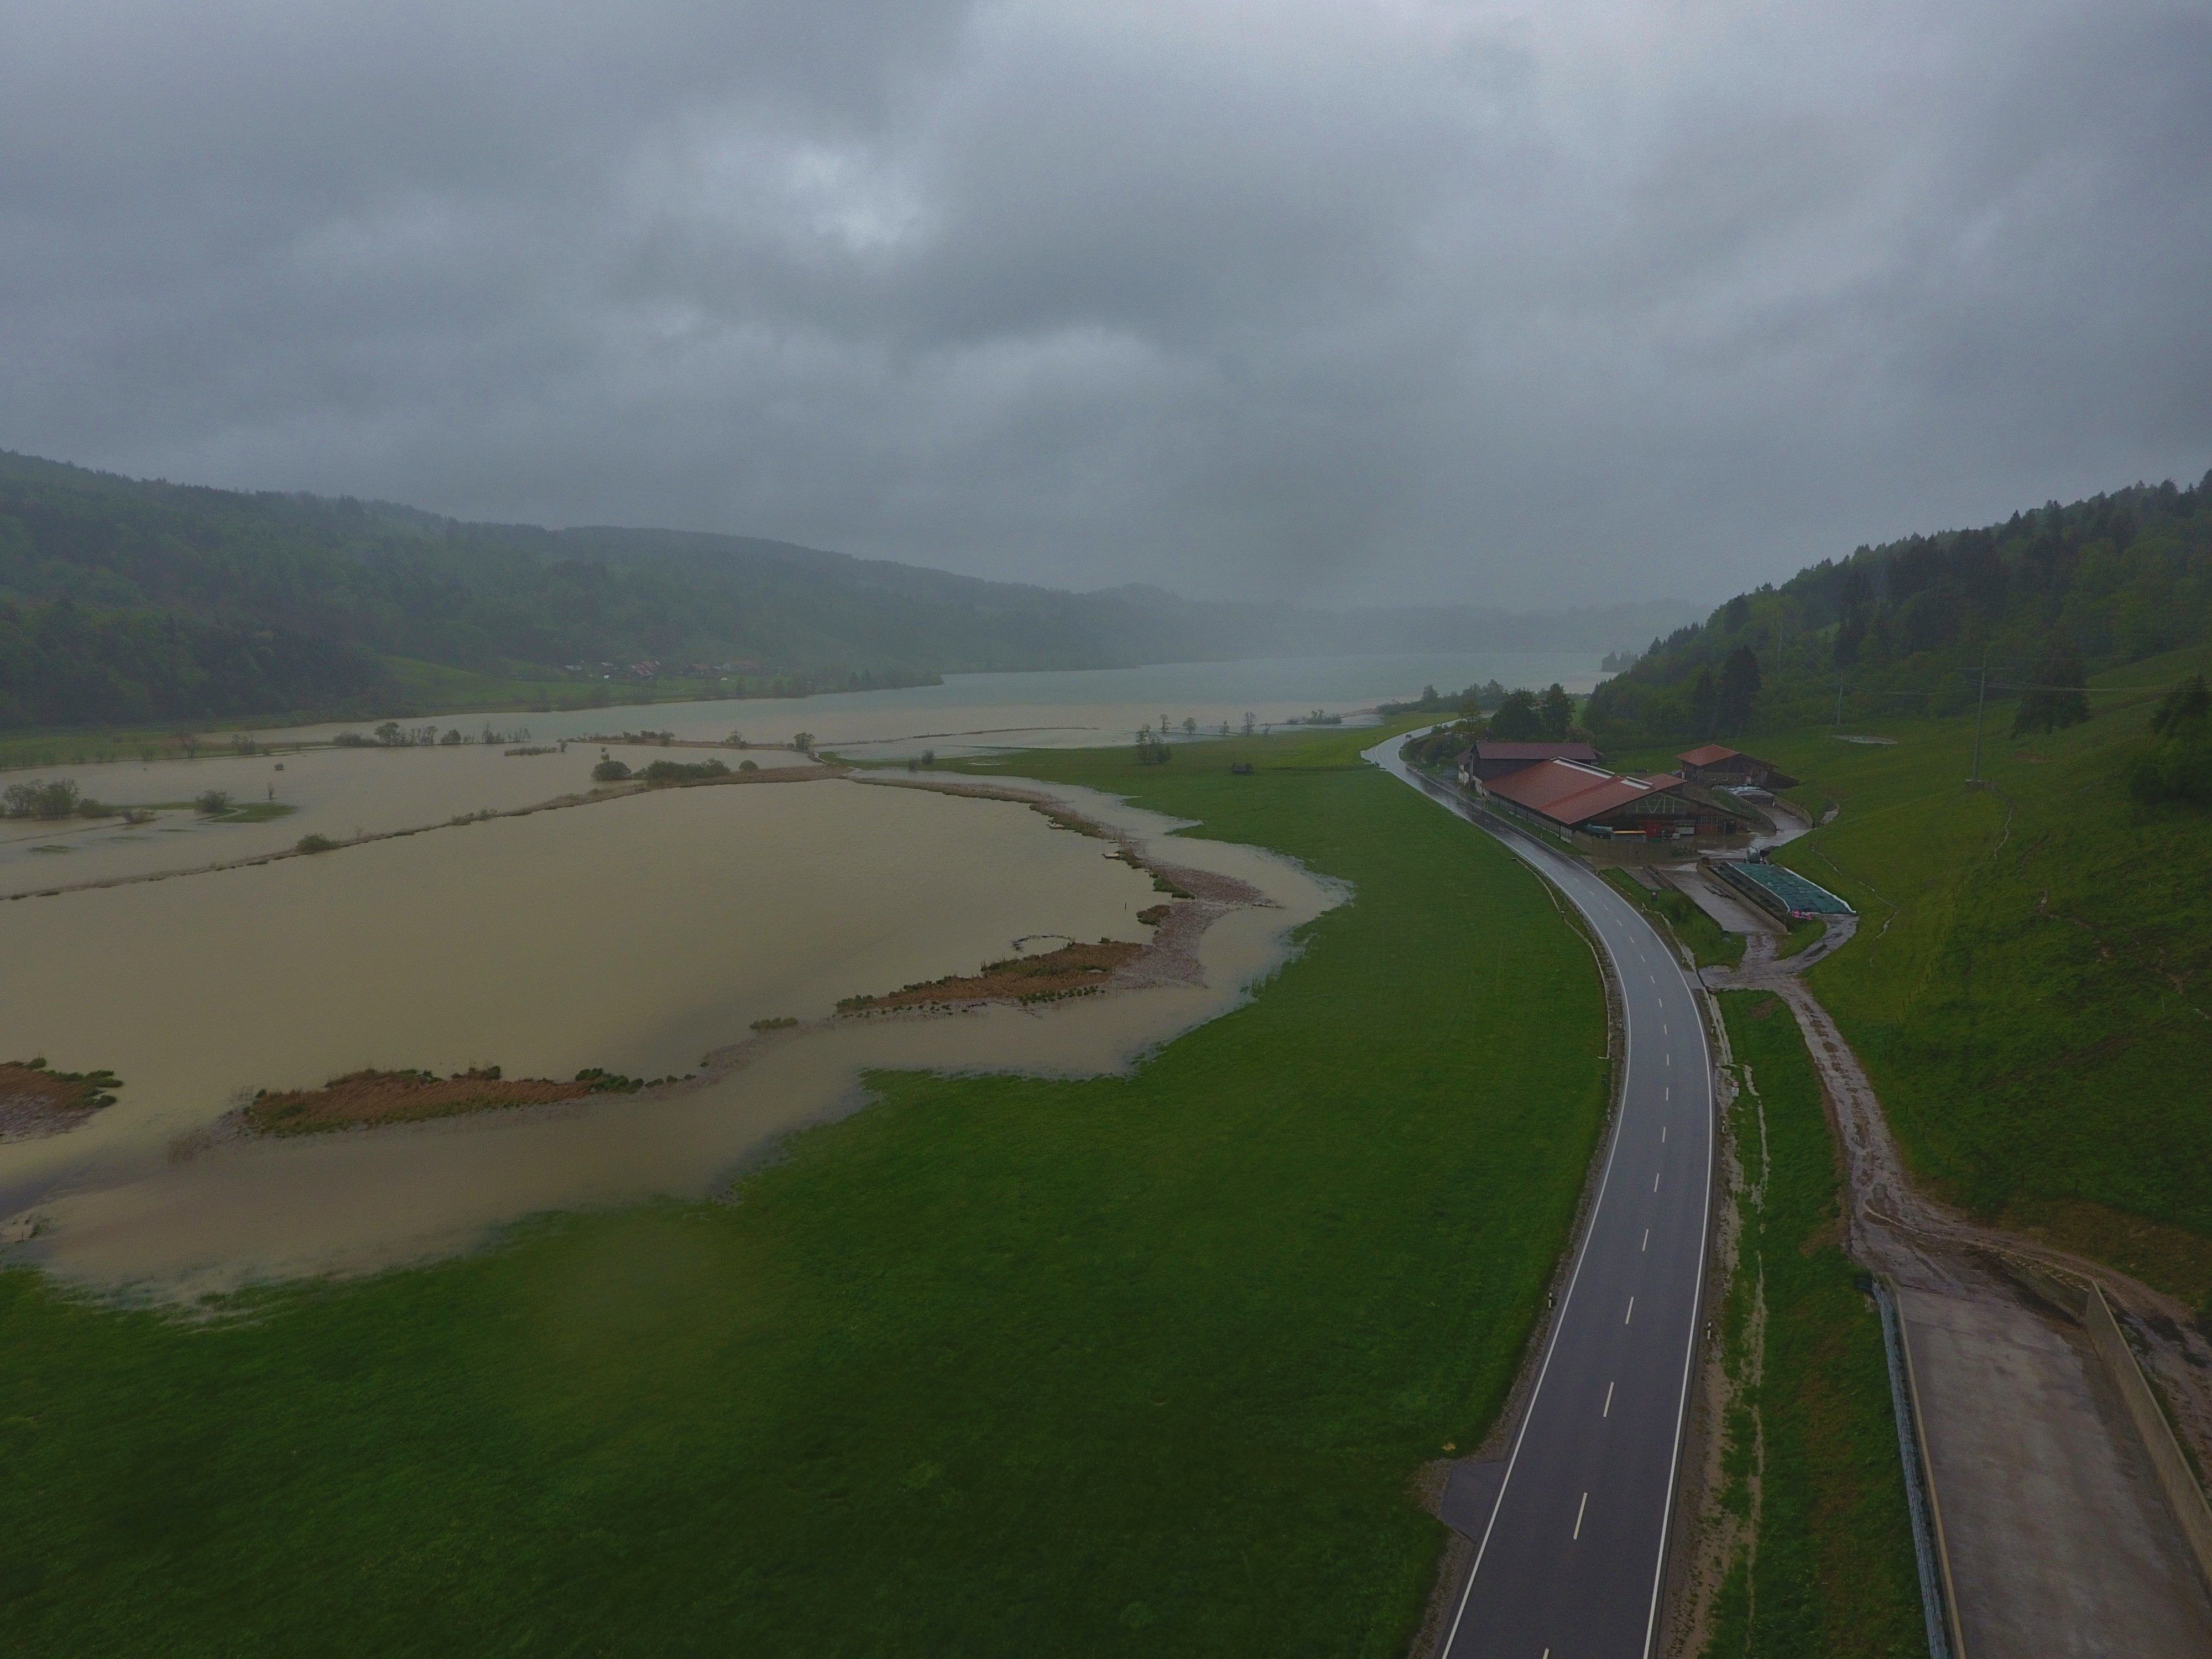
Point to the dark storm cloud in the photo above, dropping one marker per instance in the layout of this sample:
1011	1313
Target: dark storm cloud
1542	304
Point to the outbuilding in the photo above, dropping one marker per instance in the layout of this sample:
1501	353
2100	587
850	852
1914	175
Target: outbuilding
1490	759
1722	767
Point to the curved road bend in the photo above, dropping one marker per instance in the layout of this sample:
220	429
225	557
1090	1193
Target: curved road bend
1570	1561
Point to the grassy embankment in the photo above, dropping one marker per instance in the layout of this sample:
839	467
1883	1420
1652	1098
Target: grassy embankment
2031	987
1134	1365
1678	914
1800	936
1811	1438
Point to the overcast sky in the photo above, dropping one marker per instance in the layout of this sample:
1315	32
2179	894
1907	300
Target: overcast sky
1535	304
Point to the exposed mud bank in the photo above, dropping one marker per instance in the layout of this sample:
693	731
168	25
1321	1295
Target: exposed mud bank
36	1100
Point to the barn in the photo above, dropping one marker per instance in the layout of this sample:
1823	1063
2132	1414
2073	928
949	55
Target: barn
1721	768
1488	759
1570	798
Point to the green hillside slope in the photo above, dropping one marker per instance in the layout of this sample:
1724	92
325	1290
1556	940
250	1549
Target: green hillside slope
2031	986
1906	628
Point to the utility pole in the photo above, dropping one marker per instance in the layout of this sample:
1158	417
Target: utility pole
1981	700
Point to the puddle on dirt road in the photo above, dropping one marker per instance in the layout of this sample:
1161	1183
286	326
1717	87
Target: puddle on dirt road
635	934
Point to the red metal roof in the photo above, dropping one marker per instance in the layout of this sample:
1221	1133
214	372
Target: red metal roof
1485	750
1712	755
1566	793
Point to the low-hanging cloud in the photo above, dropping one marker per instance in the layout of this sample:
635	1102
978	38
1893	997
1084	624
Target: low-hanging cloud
1535	304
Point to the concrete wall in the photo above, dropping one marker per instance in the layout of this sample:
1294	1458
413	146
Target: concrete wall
2175	1477
1739	883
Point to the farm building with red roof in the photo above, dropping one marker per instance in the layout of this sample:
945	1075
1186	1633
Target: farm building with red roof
1489	758
1572	798
1722	767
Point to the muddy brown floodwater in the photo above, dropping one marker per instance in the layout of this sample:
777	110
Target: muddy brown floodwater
637	935
335	793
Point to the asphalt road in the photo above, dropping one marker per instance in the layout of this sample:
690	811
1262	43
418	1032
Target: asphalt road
1568	1565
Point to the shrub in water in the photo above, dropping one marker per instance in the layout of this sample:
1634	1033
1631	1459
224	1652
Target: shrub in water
39	800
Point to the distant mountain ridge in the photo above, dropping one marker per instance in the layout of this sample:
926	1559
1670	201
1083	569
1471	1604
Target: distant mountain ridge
124	600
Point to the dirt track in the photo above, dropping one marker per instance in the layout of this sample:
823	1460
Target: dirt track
2060	1540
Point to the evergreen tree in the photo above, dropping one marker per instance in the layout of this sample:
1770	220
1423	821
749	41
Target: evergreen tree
2058	698
1738	685
1517	718
1704	705
2188	703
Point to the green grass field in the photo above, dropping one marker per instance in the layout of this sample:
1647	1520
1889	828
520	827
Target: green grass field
1138	1365
1831	1570
2031	987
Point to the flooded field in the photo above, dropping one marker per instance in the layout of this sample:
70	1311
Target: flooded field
637	935
339	793
342	793
978	713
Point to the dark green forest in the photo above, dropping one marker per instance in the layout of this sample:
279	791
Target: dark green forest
61	665
2045	600
123	601
129	601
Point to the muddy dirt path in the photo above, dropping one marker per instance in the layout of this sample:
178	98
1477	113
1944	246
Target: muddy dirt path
2060	1540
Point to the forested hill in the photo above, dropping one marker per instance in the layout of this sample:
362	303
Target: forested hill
2046	597
124	601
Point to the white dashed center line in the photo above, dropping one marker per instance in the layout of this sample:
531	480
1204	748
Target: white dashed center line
1631	1313
1607	1411
1646	1244
1579	1509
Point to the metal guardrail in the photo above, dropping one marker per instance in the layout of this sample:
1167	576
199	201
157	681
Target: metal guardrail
1938	1604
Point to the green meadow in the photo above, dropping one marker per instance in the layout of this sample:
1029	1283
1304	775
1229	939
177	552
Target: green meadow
1811	1452
1142	1365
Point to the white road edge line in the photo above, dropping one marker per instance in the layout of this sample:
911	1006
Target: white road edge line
1552	1347
1689	1356
1696	1290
